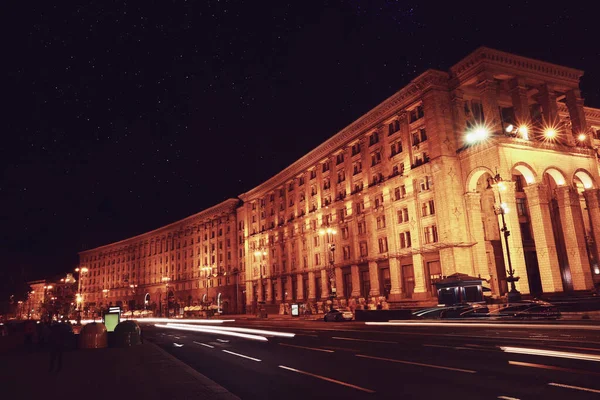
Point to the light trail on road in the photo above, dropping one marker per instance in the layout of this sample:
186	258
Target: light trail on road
551	353
245	330
487	325
195	328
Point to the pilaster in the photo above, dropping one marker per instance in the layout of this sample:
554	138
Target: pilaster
543	235
488	89
592	199
374	277
478	252
573	229
324	284
355	281
300	287
395	291
311	286
339	282
577	114
279	286
518	93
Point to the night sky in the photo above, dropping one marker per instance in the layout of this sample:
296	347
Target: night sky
121	117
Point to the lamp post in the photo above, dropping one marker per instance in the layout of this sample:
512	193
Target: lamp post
330	232
513	294
82	271
166	280
207	270
261	253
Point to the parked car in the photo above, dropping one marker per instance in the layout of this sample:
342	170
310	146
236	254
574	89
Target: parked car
535	309
338	316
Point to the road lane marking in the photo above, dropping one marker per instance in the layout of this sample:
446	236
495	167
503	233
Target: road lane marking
507	398
342	349
222	340
177	344
363	340
328	379
204	344
551	353
574	387
448	347
241	355
551	367
419	364
307	348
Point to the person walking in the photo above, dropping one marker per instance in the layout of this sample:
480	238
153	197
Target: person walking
57	343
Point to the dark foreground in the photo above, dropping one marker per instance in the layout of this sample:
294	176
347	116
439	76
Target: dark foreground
355	361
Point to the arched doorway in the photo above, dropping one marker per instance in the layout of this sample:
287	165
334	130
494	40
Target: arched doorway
146	300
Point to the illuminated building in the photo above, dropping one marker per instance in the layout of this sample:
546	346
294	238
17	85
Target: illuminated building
195	259
410	193
408	188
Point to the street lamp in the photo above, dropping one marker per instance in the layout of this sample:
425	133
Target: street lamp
207	270
82	271
513	294
330	232
262	254
166	280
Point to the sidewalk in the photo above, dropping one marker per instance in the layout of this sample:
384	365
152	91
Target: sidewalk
141	372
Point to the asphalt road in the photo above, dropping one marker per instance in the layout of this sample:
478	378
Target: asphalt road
354	361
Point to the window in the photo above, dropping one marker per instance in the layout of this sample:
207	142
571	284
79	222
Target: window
291	187
345	233
373	138
360	207
375	158
419	136
326	166
403	215
364	250
381	222
521	207
405	240
400	192
341	176
317	259
427	208
383	245
326	183
393	127
346	252
362	228
301	181
395	148
416	114
398	170
425	184
313	190
313	173
431	235
339	158
357	167
379	201
356	148
271	197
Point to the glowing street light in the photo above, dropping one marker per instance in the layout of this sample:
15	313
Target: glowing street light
550	133
478	134
582	137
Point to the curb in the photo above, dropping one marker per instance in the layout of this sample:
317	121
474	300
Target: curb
219	392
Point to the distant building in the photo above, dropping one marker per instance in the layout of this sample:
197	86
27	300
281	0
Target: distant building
407	194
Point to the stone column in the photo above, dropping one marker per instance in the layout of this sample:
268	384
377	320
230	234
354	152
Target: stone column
592	199
576	113
374	277
311	286
543	235
279	285
324	285
300	287
249	296
395	290
421	291
571	220
518	93
339	282
506	190
355	281
488	89
269	297
479	256
458	113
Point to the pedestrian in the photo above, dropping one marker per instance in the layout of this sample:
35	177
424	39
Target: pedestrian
57	342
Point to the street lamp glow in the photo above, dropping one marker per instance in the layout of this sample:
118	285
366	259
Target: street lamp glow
582	137
550	133
505	208
510	128
524	131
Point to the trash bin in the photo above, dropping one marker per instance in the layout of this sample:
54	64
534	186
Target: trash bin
93	336
127	334
262	309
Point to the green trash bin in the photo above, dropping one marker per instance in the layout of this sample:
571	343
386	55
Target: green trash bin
127	333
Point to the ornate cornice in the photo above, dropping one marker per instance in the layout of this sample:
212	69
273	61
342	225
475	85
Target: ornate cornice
226	207
527	65
371	120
